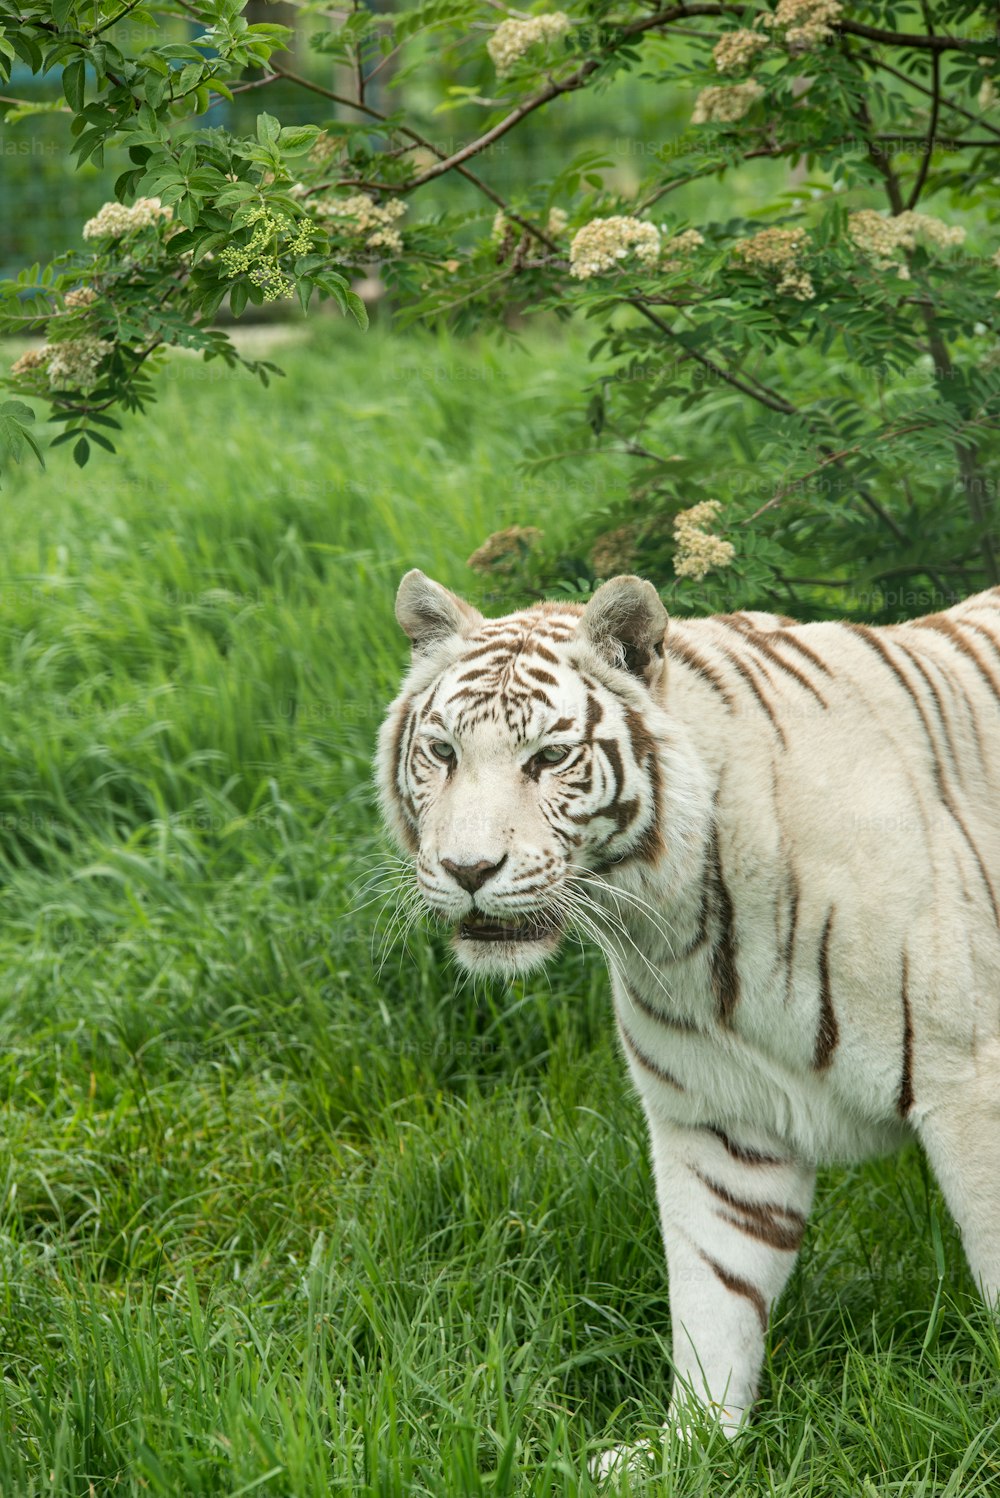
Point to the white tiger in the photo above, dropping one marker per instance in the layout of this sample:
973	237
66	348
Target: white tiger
786	840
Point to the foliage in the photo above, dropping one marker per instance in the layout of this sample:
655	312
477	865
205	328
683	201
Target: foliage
840	336
273	1221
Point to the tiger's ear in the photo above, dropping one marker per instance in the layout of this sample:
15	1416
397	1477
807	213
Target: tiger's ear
625	622
428	613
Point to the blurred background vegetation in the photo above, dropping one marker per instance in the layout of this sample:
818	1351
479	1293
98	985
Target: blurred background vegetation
848	440
45	197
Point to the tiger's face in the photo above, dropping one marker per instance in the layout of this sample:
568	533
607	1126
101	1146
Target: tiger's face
520	760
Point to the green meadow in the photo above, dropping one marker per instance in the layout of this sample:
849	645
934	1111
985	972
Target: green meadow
287	1207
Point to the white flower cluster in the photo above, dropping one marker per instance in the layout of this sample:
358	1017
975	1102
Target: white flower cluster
696	549
75	361
30	360
736	50
116	219
604	242
84	296
679	248
512	38
805	23
372	220
884	240
502	551
723	104
72	363
779	250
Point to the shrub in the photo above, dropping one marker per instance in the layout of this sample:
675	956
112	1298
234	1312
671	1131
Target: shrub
818	366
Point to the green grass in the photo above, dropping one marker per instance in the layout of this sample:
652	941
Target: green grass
275	1221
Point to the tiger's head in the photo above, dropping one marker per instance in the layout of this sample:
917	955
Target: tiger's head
525	759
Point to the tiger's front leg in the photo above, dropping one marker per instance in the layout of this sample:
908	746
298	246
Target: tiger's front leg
732	1214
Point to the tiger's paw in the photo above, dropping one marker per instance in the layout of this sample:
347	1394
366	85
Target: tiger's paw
610	1466
686	1424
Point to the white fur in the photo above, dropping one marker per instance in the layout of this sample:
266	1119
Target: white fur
859	810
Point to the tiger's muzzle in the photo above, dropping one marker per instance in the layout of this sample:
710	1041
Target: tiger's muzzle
510	943
480	927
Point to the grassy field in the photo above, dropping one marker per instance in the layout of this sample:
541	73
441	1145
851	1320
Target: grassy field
276	1221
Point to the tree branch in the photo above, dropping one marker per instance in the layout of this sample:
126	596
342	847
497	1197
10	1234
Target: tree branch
555	87
764	396
834	457
420	140
775	402
877	62
929	43
113	21
575	80
925	164
359	66
967	456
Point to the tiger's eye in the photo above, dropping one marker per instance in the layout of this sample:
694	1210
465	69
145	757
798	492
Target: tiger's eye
553	754
442	750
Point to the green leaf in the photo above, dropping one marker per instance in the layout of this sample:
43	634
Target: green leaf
357	308
15	419
434	13
239	192
125	184
278	36
187	211
81	453
29	107
154	89
27	50
295	139
73	79
334	286
238	298
268	129
91	144
191	75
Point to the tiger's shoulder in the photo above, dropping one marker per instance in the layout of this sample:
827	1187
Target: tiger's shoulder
773	664
760	631
981	610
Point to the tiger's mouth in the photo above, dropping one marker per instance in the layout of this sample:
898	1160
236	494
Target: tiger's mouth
512	928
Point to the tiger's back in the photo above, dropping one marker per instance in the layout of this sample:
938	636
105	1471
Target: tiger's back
858	817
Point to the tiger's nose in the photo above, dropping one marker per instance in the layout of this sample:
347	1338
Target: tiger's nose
472	876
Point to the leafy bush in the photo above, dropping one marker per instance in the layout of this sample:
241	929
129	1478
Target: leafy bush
818	366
